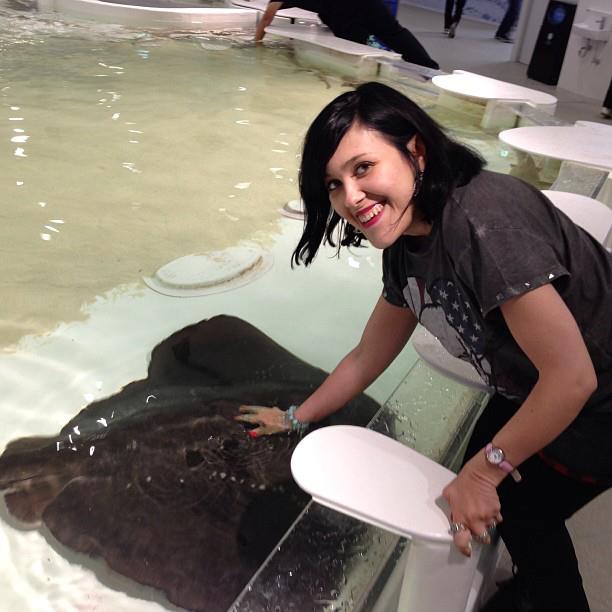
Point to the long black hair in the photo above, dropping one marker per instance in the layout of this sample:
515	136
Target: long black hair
397	118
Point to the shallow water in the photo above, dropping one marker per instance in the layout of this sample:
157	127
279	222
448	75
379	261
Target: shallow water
132	153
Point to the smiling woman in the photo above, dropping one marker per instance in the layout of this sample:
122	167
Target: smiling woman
537	328
379	120
365	191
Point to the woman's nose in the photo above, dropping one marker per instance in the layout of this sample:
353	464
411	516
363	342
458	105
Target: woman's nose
353	195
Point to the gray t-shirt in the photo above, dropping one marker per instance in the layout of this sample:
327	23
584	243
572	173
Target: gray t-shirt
498	238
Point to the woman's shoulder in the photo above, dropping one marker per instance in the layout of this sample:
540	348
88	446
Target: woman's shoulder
495	198
491	184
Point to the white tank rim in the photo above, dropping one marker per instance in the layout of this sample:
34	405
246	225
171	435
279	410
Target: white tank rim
293	209
199	275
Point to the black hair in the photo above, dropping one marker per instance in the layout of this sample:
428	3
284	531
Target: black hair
397	118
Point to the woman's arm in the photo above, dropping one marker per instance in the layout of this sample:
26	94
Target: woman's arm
266	19
546	331
386	333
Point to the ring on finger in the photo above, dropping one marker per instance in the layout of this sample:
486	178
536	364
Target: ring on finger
484	537
456	528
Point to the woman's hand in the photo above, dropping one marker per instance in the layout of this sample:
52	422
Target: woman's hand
474	504
270	420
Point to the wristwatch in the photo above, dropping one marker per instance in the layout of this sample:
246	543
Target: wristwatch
495	456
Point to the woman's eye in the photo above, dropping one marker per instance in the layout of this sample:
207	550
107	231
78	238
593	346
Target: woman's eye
362	169
331	185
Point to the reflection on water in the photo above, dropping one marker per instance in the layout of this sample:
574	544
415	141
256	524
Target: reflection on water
133	153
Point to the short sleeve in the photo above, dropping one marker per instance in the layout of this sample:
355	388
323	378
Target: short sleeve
508	249
392	287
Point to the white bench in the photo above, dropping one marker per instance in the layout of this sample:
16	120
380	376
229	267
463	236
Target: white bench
183	17
376	479
316	46
292	14
493	94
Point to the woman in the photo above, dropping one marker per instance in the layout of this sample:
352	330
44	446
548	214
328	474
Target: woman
505	281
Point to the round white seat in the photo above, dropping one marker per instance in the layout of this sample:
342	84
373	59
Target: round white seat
579	143
591	215
478	87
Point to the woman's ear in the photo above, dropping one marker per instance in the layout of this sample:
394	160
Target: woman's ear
417	148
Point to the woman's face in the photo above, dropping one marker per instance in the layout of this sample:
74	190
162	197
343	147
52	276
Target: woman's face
370	185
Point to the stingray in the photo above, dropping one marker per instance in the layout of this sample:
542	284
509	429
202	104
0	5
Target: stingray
161	482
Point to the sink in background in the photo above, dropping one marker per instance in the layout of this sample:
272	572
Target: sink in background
597	25
588	31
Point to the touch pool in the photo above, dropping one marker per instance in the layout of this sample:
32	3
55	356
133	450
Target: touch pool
121	151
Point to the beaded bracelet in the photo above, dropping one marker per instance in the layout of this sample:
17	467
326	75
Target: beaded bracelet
293	423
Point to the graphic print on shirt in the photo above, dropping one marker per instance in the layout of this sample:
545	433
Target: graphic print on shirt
447	313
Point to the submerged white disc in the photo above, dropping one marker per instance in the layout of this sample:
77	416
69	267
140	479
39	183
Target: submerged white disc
294	209
195	275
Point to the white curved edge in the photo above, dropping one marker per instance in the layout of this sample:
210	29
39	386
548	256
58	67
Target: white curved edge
515	138
125	14
290	13
324	38
591	215
251	275
430	350
375	479
479	87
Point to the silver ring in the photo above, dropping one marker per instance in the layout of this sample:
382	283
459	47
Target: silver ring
484	537
456	528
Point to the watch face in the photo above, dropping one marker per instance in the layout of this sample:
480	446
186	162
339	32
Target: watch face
495	455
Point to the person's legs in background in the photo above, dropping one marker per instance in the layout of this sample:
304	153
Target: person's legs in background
606	109
534	512
508	22
452	18
377	18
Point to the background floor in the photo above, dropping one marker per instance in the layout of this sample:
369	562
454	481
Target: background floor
474	48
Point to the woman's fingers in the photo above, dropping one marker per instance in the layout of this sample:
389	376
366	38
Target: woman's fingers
463	539
249	414
480	531
249	409
269	419
245	418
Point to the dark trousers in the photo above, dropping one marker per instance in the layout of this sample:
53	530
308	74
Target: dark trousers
451	16
373	17
534	512
608	100
510	18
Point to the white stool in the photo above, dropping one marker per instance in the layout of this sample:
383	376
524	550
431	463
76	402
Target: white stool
292	14
378	480
591	215
317	46
493	94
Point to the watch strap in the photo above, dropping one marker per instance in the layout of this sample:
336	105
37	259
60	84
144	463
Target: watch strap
504	465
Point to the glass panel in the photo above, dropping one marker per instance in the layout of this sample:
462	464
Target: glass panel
329	561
